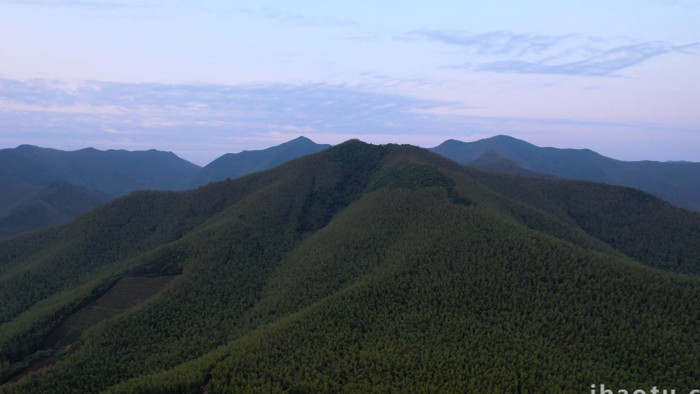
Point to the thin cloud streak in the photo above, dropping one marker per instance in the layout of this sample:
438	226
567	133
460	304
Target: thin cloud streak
495	43
206	121
157	115
603	64
506	52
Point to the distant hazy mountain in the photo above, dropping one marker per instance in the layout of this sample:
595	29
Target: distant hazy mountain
14	190
116	172
86	177
51	205
492	161
234	165
356	269
676	182
28	175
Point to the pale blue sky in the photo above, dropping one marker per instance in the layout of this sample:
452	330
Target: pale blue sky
202	78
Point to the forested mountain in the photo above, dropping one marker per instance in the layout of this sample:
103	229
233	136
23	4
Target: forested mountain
42	187
234	165
27	175
54	204
676	182
359	268
14	190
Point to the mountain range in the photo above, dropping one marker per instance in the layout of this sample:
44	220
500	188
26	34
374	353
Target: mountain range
358	268
88	177
30	176
234	165
44	187
676	182
57	203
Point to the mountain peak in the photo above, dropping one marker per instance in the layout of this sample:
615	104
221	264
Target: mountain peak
503	137
330	270
678	185
33	149
234	165
506	140
300	141
301	138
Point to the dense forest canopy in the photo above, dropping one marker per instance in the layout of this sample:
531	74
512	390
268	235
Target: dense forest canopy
360	268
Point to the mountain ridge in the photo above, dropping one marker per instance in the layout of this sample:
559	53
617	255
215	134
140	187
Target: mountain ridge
361	267
125	171
54	204
492	161
114	172
677	182
29	168
234	165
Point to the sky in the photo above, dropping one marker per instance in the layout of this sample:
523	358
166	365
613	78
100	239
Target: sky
204	78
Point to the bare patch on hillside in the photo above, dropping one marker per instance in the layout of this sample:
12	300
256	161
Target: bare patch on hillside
128	292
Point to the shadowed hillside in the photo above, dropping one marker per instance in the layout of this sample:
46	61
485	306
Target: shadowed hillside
492	161
364	268
676	182
28	176
44	187
115	172
54	204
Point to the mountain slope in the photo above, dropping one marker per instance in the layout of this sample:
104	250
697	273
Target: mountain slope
234	165
54	204
115	172
676	182
14	191
360	268
492	161
26	170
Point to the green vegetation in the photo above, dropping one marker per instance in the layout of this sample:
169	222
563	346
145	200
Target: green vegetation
52	205
365	268
639	225
44	187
